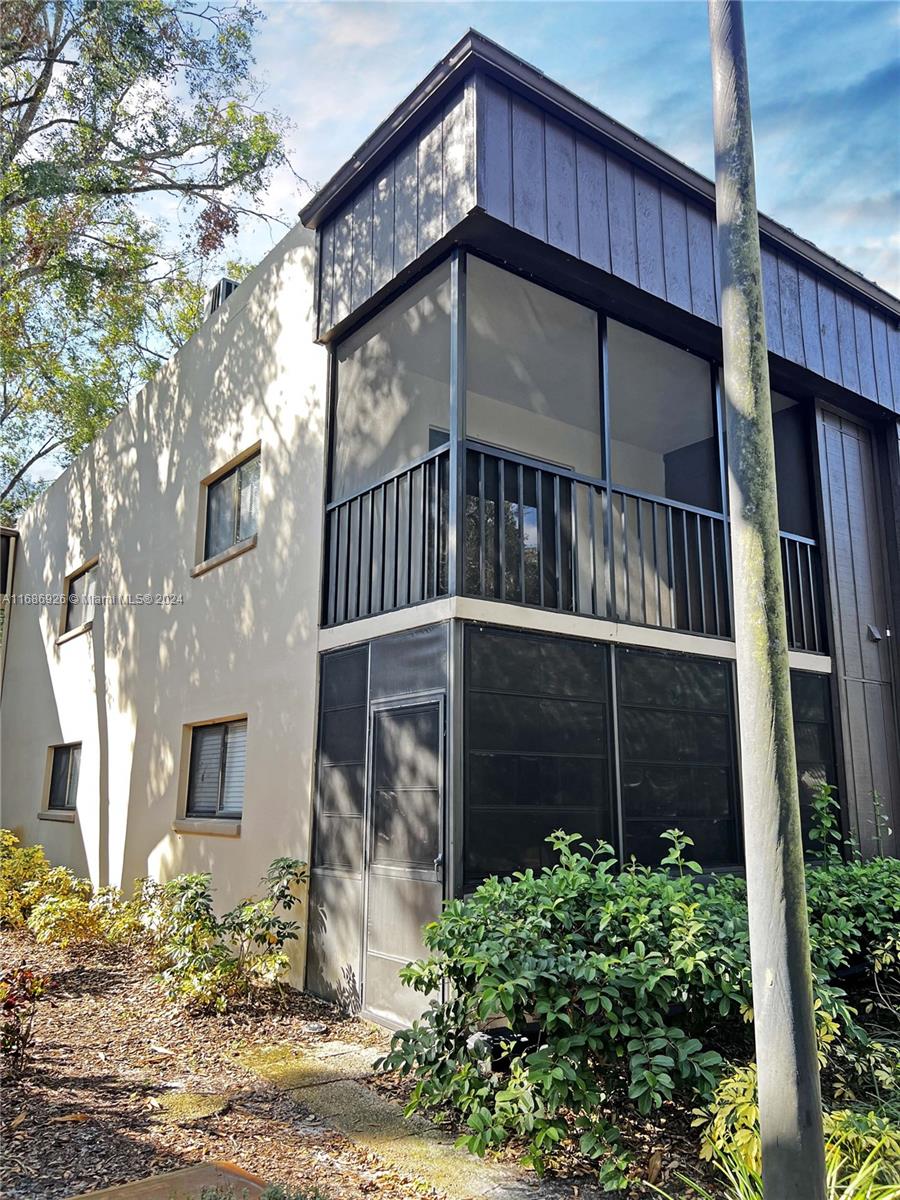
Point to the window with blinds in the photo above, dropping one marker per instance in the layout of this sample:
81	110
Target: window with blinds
81	590
232	507
64	776
216	779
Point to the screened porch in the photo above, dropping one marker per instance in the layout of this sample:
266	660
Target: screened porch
493	438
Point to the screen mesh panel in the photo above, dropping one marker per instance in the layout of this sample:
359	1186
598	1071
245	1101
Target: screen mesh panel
537	747
677	747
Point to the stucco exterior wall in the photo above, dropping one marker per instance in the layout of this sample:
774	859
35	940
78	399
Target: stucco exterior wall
241	639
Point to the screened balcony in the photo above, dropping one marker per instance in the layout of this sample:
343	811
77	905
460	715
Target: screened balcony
491	438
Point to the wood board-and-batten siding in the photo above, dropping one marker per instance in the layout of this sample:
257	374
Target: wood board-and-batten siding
407	205
490	148
861	611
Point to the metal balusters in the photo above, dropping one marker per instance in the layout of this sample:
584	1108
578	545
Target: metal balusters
533	535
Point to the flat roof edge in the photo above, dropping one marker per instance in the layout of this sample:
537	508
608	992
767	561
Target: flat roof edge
474	51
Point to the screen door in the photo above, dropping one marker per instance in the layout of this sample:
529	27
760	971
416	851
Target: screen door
405	850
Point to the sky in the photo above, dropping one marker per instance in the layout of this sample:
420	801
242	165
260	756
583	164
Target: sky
824	80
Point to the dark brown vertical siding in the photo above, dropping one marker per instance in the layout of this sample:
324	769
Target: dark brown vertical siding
847	340
383	227
771	302
343	265
865	355
593	207
529	180
490	147
406	206
828	330
562	187
882	362
361	281
675	249
627	223
458	160
894	359
326	276
809	322
791	322
859	599
622	232
648	219
423	191
701	236
430	181
494	150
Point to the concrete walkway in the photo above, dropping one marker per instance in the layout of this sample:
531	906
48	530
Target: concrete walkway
330	1081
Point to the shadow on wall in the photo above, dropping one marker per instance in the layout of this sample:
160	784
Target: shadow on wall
244	637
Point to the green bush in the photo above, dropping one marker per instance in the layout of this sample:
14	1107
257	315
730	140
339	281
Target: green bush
211	962
21	870
618	989
862	1162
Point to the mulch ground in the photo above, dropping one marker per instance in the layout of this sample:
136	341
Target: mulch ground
87	1113
89	1110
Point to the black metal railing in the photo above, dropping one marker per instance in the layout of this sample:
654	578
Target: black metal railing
386	546
803	593
548	537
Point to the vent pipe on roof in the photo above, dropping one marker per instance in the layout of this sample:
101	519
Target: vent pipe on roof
218	294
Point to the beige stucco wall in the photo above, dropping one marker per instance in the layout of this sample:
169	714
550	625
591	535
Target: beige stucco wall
243	638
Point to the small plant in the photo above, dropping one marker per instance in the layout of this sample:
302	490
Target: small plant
211	962
858	1166
883	829
20	991
825	826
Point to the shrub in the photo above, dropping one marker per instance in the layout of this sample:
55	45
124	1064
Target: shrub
61	910
616	988
862	1162
211	962
21	869
20	991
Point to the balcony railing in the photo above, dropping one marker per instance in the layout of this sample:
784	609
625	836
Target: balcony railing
387	545
547	537
551	538
802	571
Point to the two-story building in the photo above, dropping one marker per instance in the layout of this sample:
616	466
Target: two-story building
419	549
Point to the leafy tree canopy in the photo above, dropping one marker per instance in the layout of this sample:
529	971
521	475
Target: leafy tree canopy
113	111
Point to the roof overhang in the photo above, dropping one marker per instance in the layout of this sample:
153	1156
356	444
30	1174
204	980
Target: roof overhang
474	52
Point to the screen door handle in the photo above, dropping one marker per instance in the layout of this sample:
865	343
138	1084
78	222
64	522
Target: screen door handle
439	861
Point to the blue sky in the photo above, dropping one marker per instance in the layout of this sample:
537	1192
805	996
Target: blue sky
825	87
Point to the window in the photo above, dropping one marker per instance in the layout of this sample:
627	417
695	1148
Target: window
662	420
81	589
813	740
393	387
533	370
216	780
64	776
677	746
232	507
537	748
